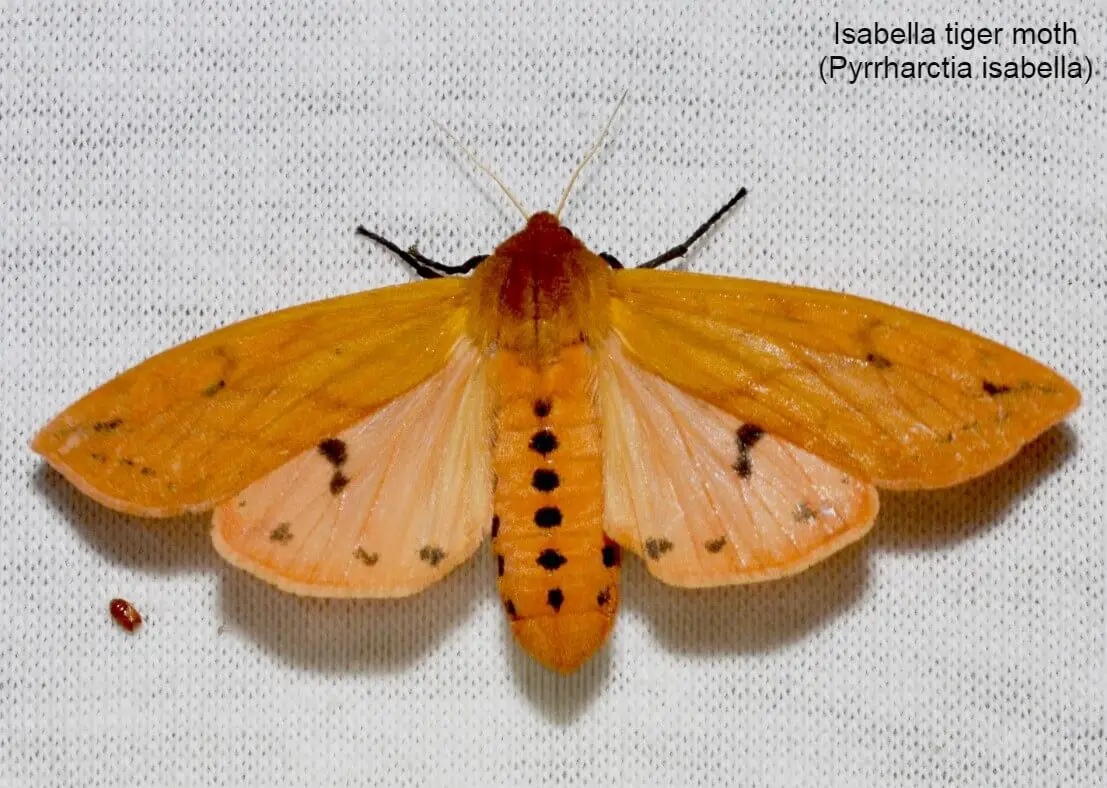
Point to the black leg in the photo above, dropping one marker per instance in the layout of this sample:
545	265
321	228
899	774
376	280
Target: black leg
682	249
612	260
423	266
465	267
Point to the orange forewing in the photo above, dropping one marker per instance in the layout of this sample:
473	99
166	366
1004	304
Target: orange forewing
197	423
898	399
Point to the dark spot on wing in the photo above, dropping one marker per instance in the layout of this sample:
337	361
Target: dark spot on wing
545	480
804	512
334	449
555	599
878	361
610	554
509	606
603	597
551	559
495	525
98	457
547	517
743	466
128	462
281	534
432	555
543	442
146	470
542	408
107	426
338	482
749	435
655	548
215	388
715	545
499	565
992	389
369	559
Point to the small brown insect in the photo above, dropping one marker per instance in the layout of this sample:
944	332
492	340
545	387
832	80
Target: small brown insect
125	614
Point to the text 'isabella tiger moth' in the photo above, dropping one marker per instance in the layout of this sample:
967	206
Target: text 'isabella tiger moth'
723	430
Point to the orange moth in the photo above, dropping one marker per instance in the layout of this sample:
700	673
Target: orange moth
724	430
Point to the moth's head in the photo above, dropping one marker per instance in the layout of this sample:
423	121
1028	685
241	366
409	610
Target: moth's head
544	239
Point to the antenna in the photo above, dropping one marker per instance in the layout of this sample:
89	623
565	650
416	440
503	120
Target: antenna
483	168
588	156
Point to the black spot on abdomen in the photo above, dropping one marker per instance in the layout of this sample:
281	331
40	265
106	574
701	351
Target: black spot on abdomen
545	480
547	517
543	442
555	599
551	559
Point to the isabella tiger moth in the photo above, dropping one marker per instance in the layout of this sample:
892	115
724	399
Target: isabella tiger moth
724	430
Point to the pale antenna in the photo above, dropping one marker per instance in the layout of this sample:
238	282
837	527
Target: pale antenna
483	168
588	156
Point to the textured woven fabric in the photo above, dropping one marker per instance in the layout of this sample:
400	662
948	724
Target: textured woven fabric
169	168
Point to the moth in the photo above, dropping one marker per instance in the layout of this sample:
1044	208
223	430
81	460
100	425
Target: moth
723	430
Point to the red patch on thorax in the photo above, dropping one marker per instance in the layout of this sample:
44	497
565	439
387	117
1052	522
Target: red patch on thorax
540	291
541	260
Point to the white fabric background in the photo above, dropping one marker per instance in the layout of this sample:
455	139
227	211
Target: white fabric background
169	168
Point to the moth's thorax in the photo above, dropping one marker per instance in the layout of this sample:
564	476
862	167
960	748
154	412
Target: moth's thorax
540	291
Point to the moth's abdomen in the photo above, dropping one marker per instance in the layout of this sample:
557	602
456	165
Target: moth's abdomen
558	576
